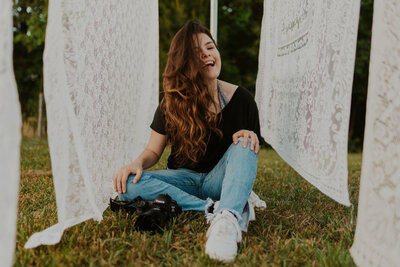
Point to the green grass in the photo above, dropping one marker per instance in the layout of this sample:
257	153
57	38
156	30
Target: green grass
300	225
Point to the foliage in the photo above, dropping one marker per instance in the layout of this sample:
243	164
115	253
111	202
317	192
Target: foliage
30	18
360	82
239	25
172	16
300	225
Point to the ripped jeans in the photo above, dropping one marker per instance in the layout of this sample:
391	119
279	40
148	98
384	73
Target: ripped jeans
230	181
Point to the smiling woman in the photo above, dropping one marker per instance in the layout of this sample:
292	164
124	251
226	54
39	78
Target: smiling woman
190	84
214	130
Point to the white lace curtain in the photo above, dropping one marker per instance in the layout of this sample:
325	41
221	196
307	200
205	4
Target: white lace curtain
101	90
10	138
377	238
304	83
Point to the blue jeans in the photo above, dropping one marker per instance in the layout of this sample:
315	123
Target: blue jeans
230	181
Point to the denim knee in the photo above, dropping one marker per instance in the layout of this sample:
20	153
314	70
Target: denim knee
133	190
245	151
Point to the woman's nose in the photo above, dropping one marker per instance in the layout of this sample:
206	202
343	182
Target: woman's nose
204	53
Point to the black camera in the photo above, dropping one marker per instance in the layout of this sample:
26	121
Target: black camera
152	215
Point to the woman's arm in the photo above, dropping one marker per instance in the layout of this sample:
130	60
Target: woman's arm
251	127
153	151
150	156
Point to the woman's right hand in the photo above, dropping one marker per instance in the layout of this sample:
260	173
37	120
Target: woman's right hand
121	176
150	156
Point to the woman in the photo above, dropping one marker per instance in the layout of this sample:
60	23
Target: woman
214	131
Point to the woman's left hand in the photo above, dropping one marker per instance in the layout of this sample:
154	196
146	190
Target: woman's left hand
246	134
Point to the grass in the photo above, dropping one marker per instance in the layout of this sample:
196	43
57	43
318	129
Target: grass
299	227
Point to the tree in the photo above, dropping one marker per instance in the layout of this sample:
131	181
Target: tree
360	81
30	18
172	16
239	27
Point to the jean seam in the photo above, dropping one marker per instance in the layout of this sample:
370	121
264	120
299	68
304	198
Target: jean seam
200	188
179	184
206	178
172	182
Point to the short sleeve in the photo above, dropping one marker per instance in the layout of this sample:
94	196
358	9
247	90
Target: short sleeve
158	123
253	120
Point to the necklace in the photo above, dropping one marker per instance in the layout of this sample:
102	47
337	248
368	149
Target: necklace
223	99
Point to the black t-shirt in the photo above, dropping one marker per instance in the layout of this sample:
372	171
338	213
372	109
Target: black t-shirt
240	113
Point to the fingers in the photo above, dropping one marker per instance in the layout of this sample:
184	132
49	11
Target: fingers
138	175
120	181
257	149
235	137
254	142
119	189
123	181
121	177
246	136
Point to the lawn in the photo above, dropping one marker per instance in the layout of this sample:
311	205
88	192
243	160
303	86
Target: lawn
300	225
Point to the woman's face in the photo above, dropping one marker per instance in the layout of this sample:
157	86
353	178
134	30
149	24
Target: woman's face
209	55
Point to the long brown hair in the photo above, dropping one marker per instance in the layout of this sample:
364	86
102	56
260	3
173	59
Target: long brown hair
189	121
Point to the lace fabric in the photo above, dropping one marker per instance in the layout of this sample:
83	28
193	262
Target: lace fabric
377	237
303	88
10	138
101	90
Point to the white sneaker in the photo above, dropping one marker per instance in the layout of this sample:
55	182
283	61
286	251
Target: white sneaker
223	236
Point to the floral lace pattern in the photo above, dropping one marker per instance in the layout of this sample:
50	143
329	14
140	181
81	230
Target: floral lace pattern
101	90
304	83
10	138
377	238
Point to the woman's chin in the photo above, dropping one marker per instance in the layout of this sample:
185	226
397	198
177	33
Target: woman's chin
210	75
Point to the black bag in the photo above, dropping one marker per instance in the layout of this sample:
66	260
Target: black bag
152	215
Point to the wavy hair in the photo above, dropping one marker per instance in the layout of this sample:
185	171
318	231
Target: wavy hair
189	121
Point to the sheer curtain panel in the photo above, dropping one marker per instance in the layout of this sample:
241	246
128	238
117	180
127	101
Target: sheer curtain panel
303	88
10	138
377	238
101	90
